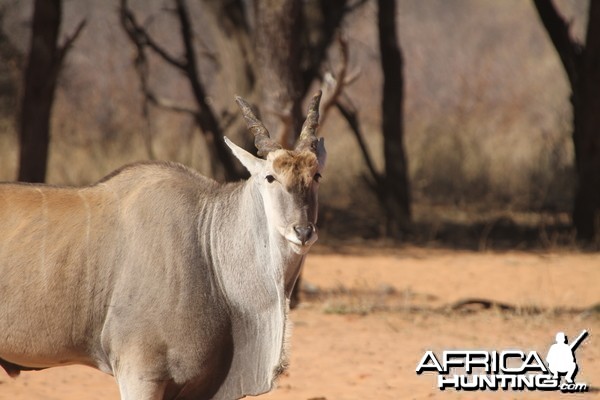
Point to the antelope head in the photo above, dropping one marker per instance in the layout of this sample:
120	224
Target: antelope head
288	180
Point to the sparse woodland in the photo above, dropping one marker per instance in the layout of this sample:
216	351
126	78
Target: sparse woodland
470	123
450	126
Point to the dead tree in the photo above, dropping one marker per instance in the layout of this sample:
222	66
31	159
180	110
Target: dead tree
41	75
222	163
582	66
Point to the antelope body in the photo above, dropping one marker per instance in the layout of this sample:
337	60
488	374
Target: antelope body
175	284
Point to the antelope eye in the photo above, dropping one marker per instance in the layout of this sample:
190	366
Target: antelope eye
270	178
317	177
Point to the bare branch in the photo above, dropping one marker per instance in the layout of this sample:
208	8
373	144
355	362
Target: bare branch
186	37
168	105
69	40
140	37
205	49
61	51
334	84
203	115
349	112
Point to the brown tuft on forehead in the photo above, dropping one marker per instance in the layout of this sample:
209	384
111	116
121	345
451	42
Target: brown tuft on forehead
295	169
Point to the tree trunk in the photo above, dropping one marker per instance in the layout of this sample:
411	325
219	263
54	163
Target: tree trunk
586	133
396	188
40	82
582	66
277	43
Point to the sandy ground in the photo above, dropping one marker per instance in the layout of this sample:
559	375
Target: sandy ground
370	317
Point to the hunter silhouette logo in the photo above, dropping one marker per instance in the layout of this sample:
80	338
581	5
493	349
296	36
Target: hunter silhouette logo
561	356
508	369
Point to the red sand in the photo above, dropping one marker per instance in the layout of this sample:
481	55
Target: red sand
372	352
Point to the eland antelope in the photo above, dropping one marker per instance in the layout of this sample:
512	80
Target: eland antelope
175	284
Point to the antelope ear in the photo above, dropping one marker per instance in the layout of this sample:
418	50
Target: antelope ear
253	164
321	153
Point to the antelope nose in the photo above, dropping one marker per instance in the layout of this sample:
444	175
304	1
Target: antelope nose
304	232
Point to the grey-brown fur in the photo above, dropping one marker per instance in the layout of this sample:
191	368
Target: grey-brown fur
173	283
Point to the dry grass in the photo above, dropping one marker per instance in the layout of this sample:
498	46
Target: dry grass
366	300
